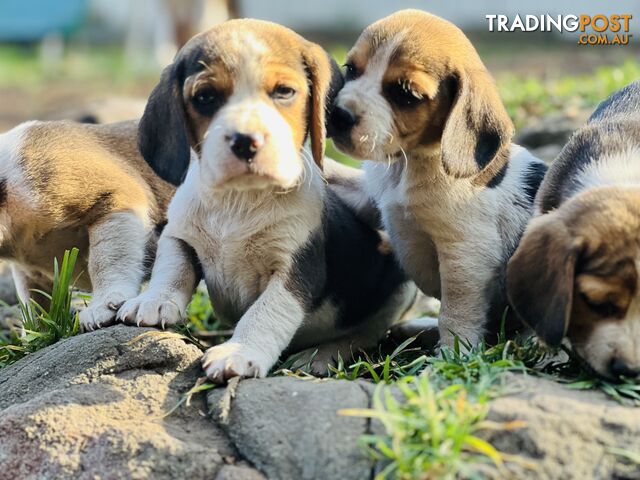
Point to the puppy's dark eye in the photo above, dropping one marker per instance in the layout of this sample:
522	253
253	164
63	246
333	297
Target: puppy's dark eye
604	309
350	71
206	101
403	95
282	92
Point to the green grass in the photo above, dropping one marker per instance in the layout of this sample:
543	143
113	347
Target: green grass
25	68
44	325
430	430
576	376
529	97
431	425
431	417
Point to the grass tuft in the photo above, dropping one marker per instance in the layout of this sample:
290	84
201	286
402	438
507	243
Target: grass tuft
44	326
430	431
479	368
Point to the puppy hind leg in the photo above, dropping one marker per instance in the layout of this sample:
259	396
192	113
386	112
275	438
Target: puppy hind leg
117	246
28	287
364	337
22	284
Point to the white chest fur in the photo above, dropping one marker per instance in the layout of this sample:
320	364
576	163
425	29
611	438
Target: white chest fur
243	238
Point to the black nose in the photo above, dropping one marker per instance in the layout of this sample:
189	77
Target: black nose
342	119
244	146
620	368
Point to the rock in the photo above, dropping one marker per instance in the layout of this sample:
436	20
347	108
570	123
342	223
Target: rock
93	406
554	129
235	472
290	429
568	433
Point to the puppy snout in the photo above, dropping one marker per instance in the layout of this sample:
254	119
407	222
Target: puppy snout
620	368
343	119
245	146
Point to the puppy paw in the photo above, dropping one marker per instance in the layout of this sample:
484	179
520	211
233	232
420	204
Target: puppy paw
317	360
102	311
232	359
151	309
467	338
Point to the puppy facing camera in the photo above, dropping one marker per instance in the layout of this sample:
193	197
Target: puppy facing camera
283	257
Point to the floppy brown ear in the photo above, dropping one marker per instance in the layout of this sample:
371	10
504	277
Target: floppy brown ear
478	128
541	276
162	132
325	80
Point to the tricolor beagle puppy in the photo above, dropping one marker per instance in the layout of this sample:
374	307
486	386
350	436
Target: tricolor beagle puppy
454	193
575	272
64	185
281	255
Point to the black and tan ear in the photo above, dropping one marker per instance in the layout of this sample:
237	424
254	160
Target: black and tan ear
325	81
162	133
541	276
478	128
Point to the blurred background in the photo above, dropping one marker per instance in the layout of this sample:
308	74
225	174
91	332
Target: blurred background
97	60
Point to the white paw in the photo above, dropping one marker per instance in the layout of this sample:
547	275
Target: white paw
102	311
232	359
151	309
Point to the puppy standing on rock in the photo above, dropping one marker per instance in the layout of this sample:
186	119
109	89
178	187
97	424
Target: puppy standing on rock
65	185
575	272
281	255
454	192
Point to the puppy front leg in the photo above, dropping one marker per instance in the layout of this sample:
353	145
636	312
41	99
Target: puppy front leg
464	304
260	336
117	245
173	280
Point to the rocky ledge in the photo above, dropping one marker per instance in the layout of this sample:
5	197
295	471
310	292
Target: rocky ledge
95	406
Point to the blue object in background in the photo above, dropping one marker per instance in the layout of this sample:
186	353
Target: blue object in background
31	20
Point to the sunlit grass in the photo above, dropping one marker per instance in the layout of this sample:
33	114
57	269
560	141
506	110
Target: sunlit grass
430	430
529	97
23	67
44	325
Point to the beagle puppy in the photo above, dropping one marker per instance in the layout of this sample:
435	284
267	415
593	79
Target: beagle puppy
575	272
64	185
283	258
453	191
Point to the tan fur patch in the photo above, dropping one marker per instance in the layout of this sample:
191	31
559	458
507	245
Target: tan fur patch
76	174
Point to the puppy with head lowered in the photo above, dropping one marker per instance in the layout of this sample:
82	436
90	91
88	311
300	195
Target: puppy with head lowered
575	272
454	192
281	255
65	185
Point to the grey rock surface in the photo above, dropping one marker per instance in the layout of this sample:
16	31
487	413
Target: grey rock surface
290	428
567	434
93	406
